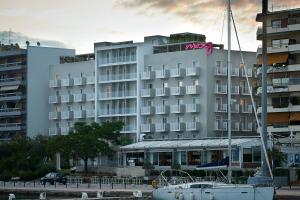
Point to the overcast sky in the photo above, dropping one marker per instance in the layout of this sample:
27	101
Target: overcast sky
79	23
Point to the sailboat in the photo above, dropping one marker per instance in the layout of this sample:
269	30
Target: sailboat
258	187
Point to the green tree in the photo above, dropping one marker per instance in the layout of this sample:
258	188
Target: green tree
277	157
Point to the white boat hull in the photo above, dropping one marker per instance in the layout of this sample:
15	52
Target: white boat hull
219	193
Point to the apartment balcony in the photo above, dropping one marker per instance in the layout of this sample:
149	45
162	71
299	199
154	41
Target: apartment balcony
235	108
117	77
79	81
193	126
249	73
149	75
5	112
79	114
177	109
176	91
275	30
147	128
67	115
247	126
65	130
278	109
192	108
175	126
162	127
15	96
235	71
221	89
67	82
90	96
54	131
284	48
285	128
130	128
11	127
246	108
235	90
150	92
245	91
162	92
90	113
192	89
220	71
235	126
147	110
90	80
117	112
117	60
162	73
118	95
220	126
79	97
54	83
175	72
221	108
161	109
54	115
193	71
67	98
12	66
294	85
54	99
11	81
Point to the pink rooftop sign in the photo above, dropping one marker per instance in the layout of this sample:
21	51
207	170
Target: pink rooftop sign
207	46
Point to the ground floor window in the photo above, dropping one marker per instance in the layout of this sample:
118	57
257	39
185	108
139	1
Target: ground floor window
194	157
165	158
135	159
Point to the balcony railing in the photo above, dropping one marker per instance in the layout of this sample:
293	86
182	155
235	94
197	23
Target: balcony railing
162	127
118	77
54	131
79	97
118	94
162	73
221	107
117	59
147	128
66	114
177	108
235	108
162	92
90	96
90	80
191	108
245	91
79	114
193	71
54	83
221	71
249	73
54	99
247	108
193	126
118	111
221	89
11	81
67	82
235	71
12	66
79	81
65	130
235	126
235	90
247	126
11	126
90	113
220	125
54	115
147	110
177	90
11	96
10	111
175	126
162	109
67	98
129	128
193	89
177	72
149	75
147	92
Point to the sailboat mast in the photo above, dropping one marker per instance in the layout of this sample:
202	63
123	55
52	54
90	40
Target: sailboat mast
229	87
264	130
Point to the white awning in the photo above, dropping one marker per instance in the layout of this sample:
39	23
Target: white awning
6	88
192	144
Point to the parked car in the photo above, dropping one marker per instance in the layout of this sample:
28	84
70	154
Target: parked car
54	177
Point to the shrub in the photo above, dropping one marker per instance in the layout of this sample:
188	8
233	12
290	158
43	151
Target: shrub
5	175
281	172
248	173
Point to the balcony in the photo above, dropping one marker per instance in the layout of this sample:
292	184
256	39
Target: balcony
282	48
176	91
278	109
245	91
193	126
130	128
220	71
11	112
162	73
54	131
67	98
235	108
90	96
90	113
221	108
117	112
54	115
294	85
11	96
220	126
175	72
235	71
271	30
175	126
193	71
79	97
90	80
149	75
11	81
67	115
221	89
65	130
12	66
54	83
147	92
117	60
177	109
247	126
147	110
162	127
161	109
285	128
117	77
192	89
246	108
192	108
79	114
12	127
54	99
249	72
235	126
235	90
147	128
162	92
79	81
67	82
118	95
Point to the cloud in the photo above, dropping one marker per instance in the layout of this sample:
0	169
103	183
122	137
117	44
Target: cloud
7	37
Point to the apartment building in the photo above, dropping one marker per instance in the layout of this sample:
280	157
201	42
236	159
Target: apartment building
23	89
283	55
71	93
184	92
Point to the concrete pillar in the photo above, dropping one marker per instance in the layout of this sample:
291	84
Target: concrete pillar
124	159
58	161
241	156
